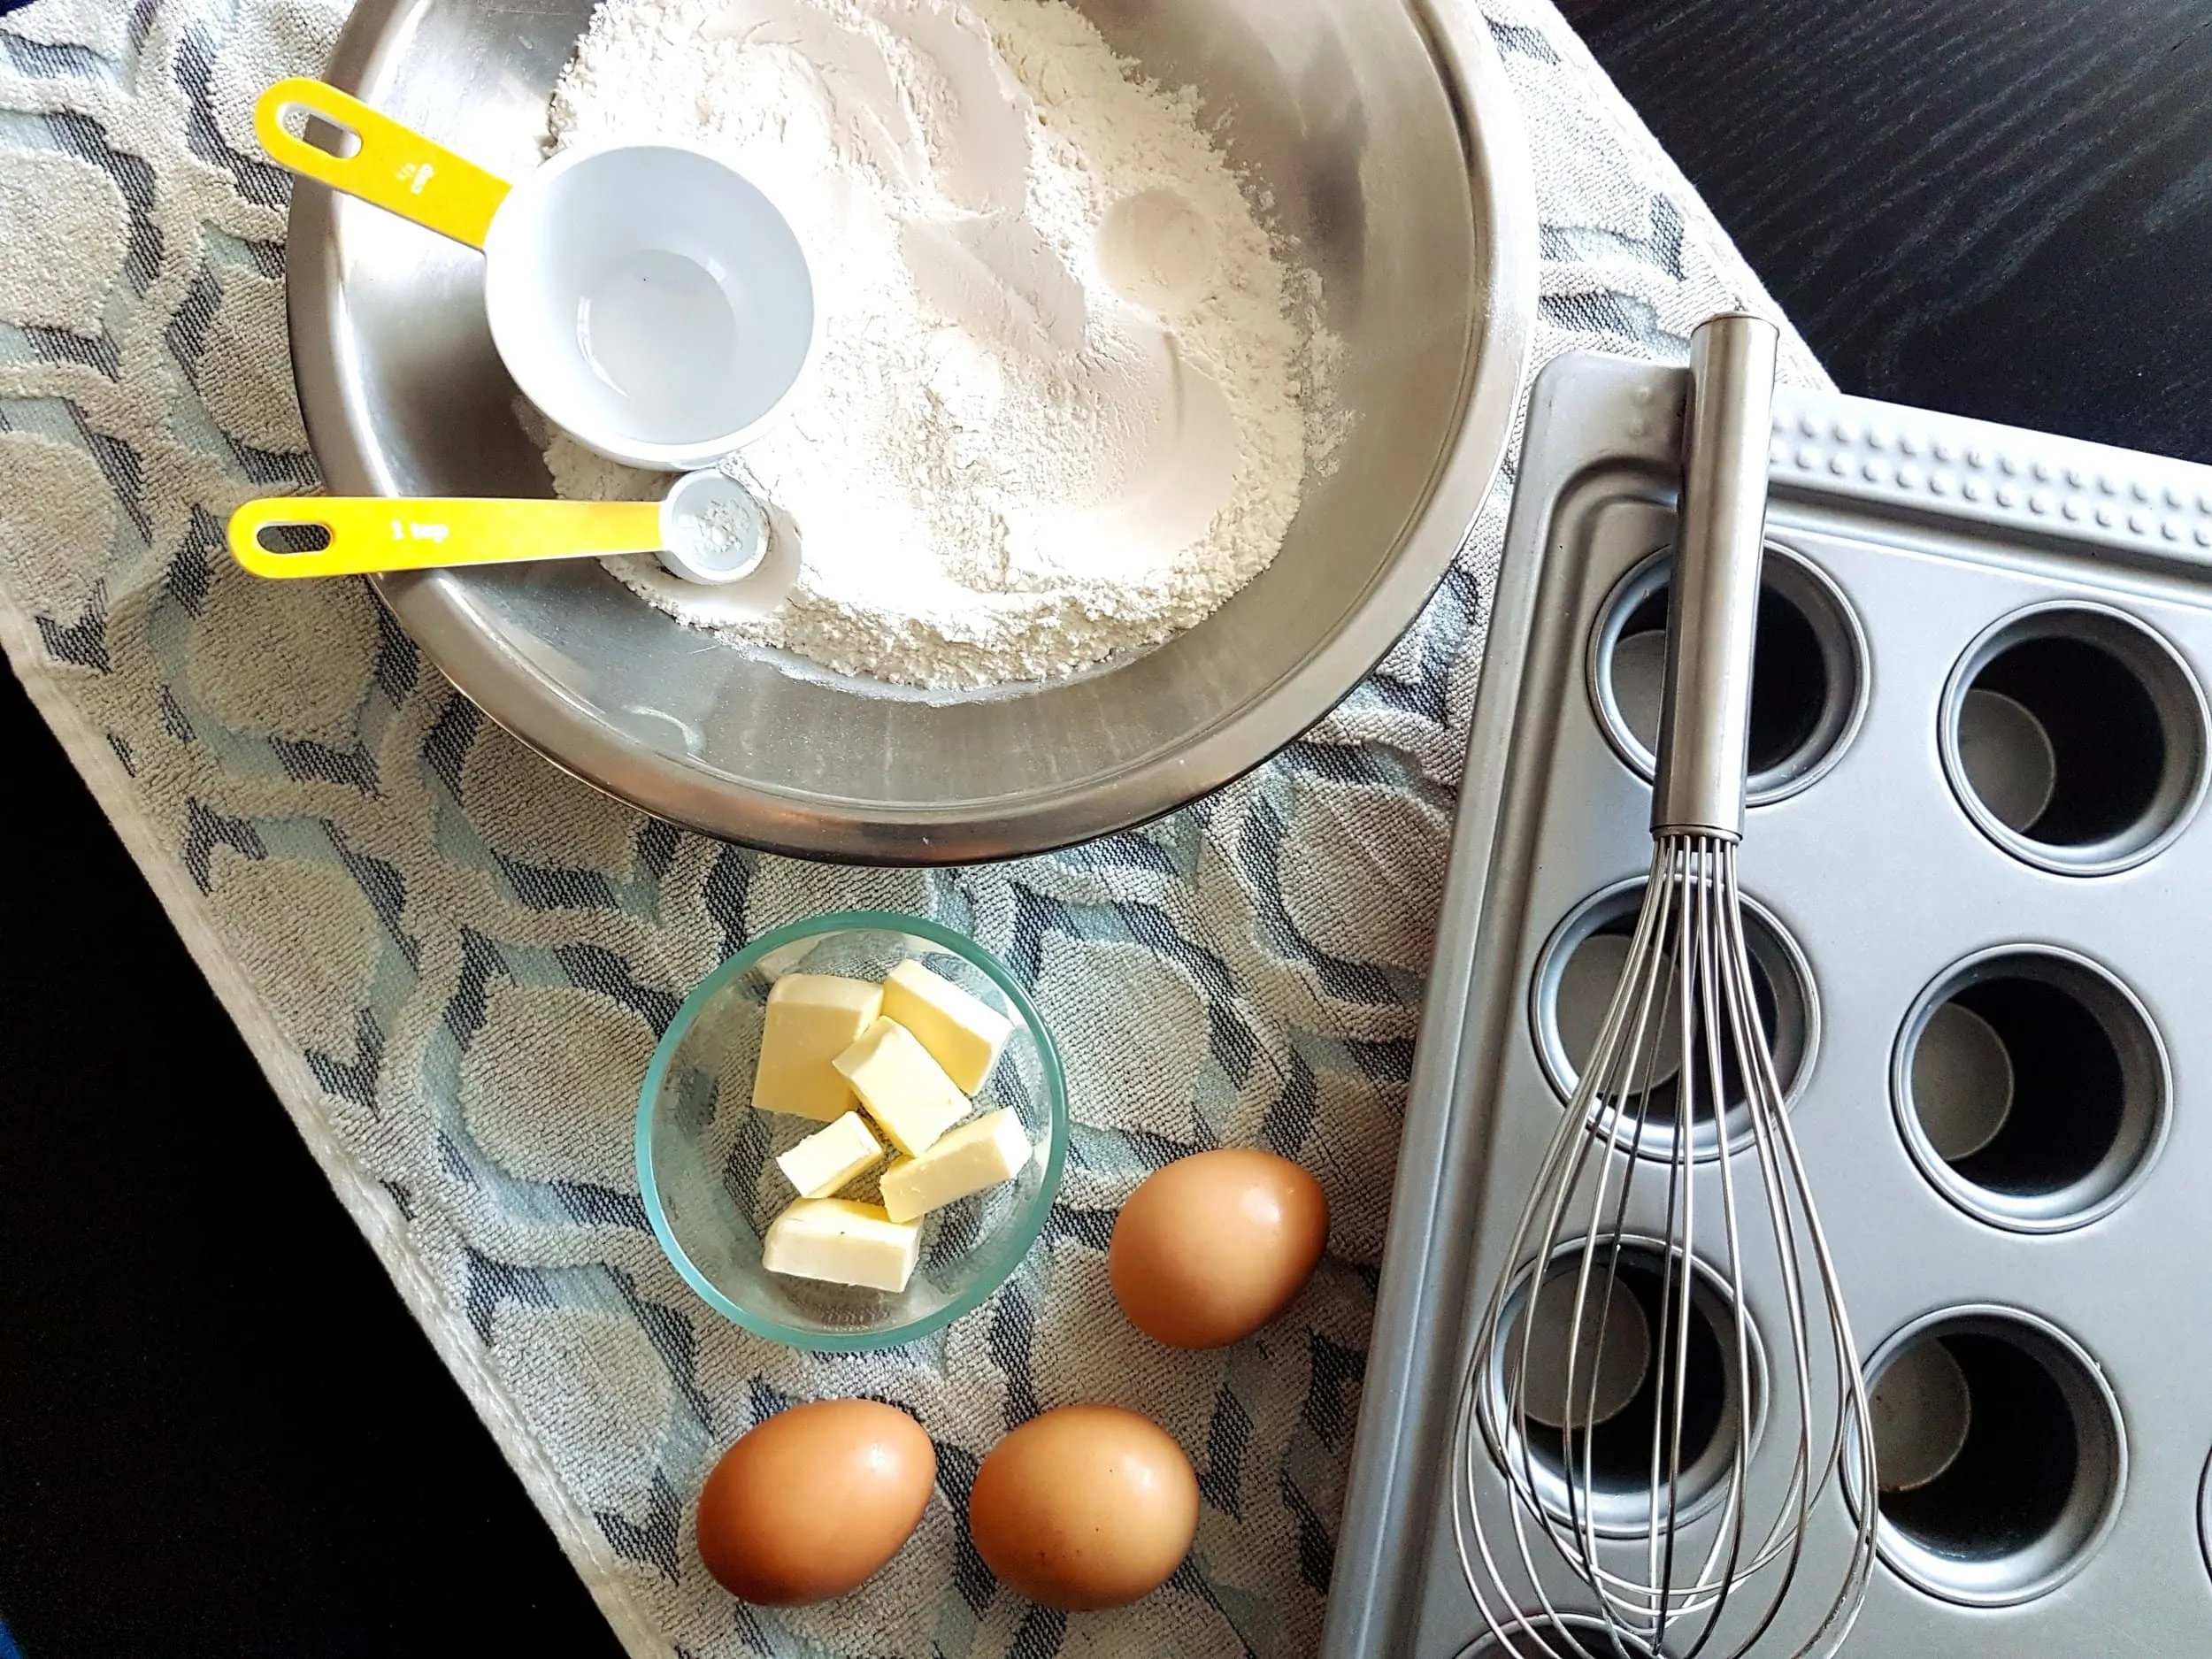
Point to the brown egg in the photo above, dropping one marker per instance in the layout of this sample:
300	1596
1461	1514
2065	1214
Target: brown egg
1084	1507
806	1505
1211	1247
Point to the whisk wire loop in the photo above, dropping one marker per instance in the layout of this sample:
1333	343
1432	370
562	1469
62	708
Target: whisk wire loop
1708	1561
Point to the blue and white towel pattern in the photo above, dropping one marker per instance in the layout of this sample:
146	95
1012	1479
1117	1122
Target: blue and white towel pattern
453	961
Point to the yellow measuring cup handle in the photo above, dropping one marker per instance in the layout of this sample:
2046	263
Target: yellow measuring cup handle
393	166
369	534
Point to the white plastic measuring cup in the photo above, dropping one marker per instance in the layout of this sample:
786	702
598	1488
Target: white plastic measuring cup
707	529
647	297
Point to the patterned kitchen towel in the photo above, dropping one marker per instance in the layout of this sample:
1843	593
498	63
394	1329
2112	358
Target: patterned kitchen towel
453	961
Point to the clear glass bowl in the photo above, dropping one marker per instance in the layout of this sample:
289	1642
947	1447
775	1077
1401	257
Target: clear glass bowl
705	1158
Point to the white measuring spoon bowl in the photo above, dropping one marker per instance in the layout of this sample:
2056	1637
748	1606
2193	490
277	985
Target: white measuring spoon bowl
712	530
650	300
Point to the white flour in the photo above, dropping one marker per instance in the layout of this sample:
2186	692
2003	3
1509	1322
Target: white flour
1056	415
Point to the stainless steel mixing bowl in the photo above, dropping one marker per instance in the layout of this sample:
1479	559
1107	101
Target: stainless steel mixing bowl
1384	135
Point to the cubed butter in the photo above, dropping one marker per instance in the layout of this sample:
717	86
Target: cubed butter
964	1160
961	1033
842	1243
812	1019
829	1157
905	1091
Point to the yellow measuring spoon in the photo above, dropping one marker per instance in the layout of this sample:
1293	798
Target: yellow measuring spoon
647	297
707	529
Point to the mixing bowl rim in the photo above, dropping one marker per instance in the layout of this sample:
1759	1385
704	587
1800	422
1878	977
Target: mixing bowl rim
514	694
1019	1238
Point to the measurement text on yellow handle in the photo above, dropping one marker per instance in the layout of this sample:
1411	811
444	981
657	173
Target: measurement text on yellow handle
392	165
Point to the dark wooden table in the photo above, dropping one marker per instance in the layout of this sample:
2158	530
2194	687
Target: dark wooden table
220	1433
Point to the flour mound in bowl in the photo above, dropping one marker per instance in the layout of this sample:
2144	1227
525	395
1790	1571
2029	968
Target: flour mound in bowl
1055	416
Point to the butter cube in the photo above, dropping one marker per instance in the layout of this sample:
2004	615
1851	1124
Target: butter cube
961	1033
840	1243
905	1091
965	1160
812	1019
826	1159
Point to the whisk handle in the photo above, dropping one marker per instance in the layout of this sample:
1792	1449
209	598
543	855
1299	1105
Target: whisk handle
1713	610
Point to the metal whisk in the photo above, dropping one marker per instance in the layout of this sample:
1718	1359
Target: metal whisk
1616	1383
